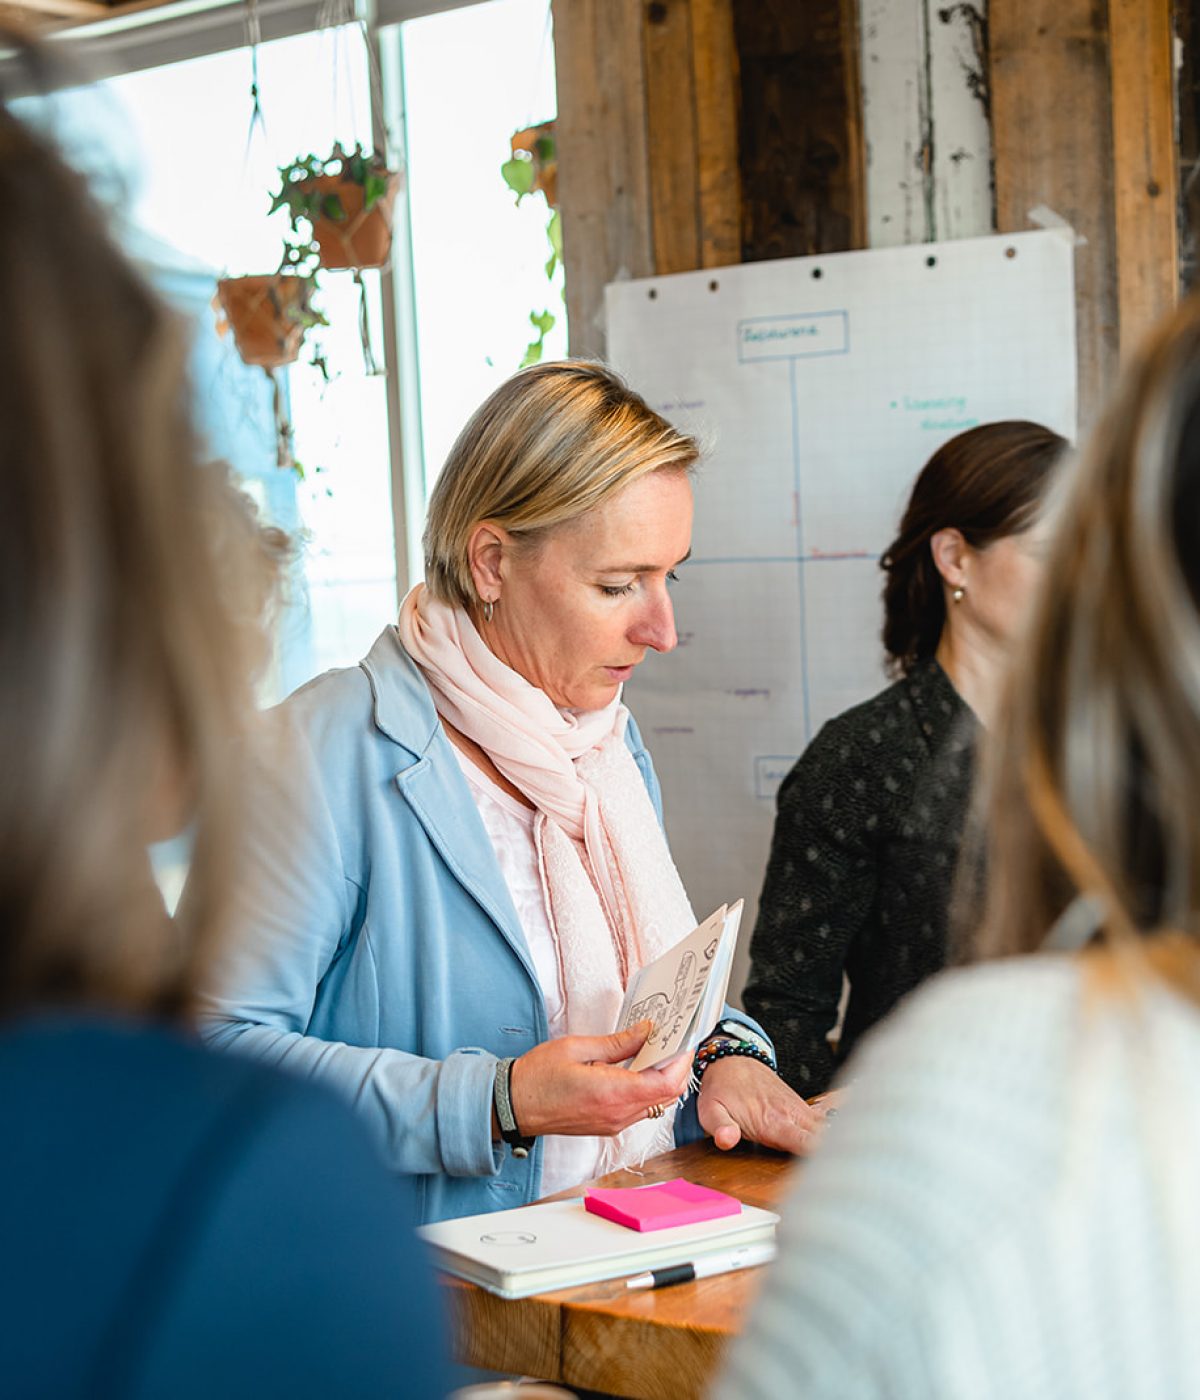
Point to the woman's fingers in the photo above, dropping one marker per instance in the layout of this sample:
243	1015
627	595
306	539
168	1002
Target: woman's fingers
668	1083
575	1085
607	1049
742	1092
721	1126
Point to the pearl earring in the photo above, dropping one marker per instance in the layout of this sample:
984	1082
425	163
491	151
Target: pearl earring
959	594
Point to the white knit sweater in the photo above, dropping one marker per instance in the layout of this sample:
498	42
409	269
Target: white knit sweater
1007	1206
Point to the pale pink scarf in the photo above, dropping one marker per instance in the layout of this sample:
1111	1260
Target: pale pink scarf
614	899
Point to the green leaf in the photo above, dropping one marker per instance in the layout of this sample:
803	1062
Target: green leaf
374	188
544	323
332	207
519	176
533	353
544	149
554	233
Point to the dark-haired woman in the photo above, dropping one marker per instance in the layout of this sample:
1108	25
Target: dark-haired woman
870	819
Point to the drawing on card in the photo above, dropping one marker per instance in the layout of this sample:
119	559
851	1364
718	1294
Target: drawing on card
666	1011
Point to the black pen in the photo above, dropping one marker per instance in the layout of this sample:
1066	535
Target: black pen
728	1262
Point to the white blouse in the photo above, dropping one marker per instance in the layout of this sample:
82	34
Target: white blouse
566	1161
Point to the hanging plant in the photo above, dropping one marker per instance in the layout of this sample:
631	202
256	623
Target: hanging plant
269	317
346	201
533	164
532	168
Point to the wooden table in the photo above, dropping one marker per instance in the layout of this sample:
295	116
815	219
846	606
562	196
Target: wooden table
661	1345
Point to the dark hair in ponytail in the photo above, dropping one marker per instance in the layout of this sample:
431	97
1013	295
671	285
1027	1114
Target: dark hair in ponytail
986	483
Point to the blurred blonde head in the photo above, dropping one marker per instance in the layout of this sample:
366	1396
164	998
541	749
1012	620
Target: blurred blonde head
548	446
1093	780
132	583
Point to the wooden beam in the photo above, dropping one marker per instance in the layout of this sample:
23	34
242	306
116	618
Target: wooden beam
1144	169
37	12
801	127
604	183
715	70
671	136
1052	142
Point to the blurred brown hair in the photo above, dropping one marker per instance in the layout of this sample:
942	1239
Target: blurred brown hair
132	583
1092	780
987	483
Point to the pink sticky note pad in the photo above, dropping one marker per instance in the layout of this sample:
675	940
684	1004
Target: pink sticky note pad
658	1207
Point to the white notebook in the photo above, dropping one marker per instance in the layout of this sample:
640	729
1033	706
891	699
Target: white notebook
558	1244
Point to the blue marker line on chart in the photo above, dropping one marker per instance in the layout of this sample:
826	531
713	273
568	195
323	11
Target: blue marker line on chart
794	337
800	549
819	558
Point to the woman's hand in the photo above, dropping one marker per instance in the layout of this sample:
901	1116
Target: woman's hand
573	1085
740	1097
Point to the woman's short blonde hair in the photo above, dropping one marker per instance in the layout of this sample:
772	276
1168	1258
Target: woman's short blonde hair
548	446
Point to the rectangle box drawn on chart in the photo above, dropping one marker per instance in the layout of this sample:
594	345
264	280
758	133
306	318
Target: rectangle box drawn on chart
793	337
769	772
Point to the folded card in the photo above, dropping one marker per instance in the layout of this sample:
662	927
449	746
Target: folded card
683	991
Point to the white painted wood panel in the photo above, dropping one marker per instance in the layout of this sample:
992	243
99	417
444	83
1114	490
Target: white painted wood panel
925	121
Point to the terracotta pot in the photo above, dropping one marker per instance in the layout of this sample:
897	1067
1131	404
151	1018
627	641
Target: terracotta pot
359	239
266	316
545	171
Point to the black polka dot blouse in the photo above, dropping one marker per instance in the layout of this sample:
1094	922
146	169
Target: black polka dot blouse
861	873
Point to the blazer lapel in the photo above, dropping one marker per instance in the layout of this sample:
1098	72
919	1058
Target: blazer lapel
439	798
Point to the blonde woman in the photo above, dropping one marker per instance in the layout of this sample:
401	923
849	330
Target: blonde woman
486	867
156	1237
1008	1205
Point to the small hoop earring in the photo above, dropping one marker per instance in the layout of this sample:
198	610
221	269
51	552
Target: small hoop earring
489	611
959	594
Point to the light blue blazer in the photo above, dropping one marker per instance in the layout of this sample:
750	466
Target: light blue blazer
378	948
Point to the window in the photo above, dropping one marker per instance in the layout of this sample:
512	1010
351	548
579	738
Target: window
470	79
469	265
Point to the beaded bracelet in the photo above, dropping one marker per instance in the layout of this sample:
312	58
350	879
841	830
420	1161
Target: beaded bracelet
713	1050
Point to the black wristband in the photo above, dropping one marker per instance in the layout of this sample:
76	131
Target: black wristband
506	1116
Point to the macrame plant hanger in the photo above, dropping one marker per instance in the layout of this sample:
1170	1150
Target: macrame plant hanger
285	455
339	17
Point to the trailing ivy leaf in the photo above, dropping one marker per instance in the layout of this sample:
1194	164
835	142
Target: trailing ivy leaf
554	235
374	188
519	176
533	353
332	208
543	322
